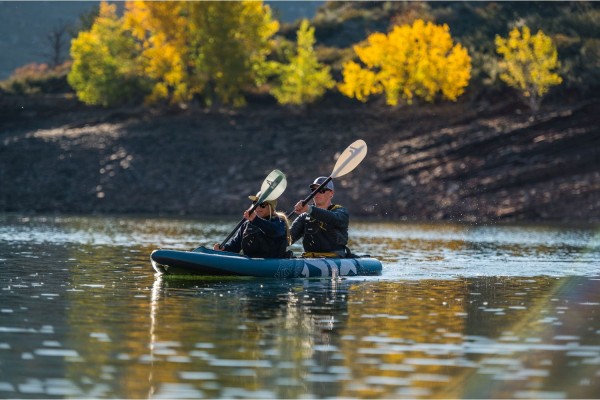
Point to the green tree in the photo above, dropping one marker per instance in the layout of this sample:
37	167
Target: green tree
304	79
232	41
207	48
412	61
104	67
528	63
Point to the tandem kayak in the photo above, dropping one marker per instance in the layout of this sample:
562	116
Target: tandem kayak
207	262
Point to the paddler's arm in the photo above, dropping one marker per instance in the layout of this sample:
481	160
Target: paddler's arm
337	217
235	243
274	228
297	228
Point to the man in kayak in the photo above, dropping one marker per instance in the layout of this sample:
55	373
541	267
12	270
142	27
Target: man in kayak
264	234
322	225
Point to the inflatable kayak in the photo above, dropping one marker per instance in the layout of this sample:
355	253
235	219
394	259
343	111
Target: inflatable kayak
204	261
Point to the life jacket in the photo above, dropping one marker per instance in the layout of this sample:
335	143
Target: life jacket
256	244
320	237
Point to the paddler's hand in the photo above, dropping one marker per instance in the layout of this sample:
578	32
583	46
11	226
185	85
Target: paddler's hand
300	208
218	247
248	216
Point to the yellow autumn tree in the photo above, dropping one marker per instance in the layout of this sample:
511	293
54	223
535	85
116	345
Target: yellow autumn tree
214	49
412	61
303	79
104	69
163	30
528	64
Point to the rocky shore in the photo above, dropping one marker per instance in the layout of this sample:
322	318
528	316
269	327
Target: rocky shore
484	162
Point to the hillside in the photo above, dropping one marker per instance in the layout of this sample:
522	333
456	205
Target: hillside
488	162
481	159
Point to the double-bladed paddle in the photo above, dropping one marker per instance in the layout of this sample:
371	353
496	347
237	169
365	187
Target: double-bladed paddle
272	187
348	160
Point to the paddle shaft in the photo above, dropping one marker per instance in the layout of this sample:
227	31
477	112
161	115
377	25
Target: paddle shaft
313	194
250	211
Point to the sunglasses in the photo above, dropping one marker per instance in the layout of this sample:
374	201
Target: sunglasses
322	190
262	205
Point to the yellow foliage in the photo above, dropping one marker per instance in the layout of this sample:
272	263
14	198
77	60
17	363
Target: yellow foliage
204	47
418	60
358	82
162	28
104	70
528	63
303	79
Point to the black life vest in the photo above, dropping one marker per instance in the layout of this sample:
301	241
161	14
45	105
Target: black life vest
319	236
255	243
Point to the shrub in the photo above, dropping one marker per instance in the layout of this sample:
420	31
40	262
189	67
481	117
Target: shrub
38	78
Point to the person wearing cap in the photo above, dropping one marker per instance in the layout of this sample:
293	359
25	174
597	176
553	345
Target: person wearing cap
264	234
323	226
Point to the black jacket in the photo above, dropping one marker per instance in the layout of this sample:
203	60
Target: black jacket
261	238
322	230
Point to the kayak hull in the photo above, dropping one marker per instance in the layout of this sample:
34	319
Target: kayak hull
207	262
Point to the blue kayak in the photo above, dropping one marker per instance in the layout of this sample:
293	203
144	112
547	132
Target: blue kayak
207	262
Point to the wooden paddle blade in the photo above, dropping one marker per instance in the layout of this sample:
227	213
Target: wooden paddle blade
273	186
350	158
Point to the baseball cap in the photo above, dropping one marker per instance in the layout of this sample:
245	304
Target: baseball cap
320	180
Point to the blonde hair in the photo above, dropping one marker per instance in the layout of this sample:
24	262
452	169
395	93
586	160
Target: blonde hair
285	219
288	235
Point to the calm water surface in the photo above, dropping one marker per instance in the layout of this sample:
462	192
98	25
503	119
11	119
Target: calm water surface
459	312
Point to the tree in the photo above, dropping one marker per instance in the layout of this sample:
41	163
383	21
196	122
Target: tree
528	63
163	31
57	41
304	79
418	61
232	41
212	49
104	67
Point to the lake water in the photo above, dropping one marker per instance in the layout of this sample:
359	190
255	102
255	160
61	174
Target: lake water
459	312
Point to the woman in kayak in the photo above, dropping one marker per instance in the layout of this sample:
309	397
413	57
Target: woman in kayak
323	226
264	234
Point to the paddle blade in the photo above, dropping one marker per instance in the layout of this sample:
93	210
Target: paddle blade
350	158
273	186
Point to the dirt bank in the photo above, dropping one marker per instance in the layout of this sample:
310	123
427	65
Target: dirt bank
483	162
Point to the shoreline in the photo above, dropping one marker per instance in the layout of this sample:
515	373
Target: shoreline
234	218
483	162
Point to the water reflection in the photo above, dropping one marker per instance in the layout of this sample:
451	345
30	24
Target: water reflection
471	338
87	318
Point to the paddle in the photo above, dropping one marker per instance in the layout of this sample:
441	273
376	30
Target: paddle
272	187
348	160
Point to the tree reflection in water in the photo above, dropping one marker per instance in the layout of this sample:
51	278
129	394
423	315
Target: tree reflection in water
463	338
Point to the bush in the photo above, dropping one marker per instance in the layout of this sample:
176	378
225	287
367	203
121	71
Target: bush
36	78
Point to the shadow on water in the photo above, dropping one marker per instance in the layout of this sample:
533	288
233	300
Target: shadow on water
83	315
